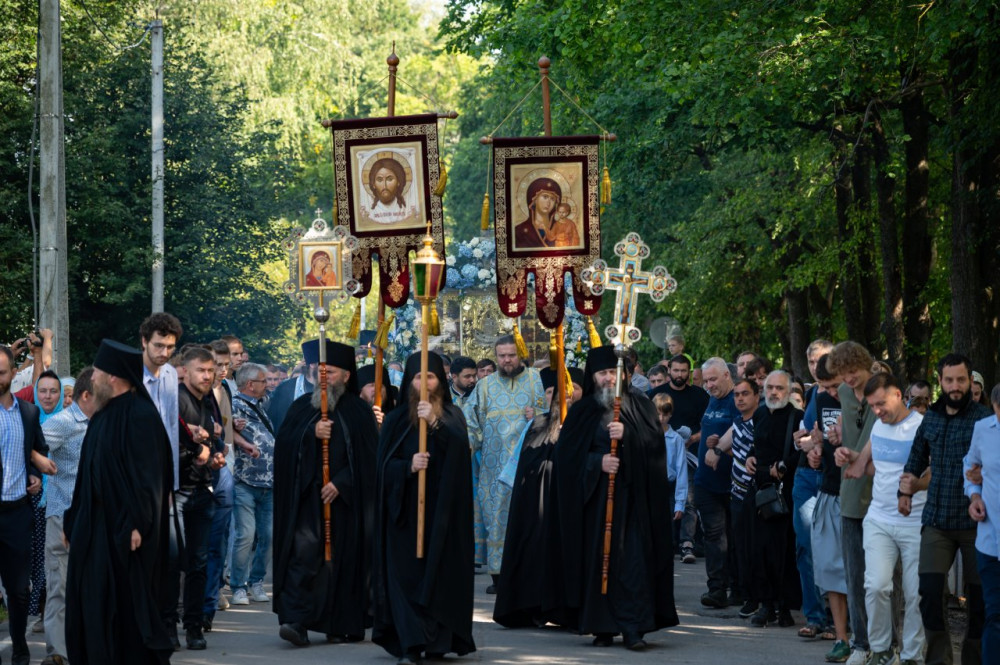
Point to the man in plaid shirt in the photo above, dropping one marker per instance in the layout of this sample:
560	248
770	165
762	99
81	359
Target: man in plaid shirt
941	443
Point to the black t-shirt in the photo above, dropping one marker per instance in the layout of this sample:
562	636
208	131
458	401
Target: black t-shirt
827	412
689	405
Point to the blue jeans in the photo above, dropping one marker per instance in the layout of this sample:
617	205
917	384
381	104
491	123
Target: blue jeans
223	499
989	575
853	548
254	508
806	485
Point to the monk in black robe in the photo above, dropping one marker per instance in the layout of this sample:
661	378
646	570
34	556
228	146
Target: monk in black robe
310	593
640	597
522	573
424	606
117	525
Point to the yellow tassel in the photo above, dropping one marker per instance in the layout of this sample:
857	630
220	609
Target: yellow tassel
442	182
569	383
355	329
484	222
595	339
435	328
553	350
579	345
382	336
522	348
606	187
369	352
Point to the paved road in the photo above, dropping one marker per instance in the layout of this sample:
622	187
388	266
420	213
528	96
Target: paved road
248	636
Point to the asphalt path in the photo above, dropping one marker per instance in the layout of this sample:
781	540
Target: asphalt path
249	635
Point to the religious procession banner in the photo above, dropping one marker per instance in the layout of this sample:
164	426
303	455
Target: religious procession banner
386	171
547	221
319	260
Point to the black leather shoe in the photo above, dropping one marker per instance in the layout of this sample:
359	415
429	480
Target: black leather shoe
195	639
294	633
20	655
717	599
360	637
206	624
761	617
604	640
172	632
634	641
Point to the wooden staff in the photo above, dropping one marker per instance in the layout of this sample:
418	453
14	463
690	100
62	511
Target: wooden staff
610	509
322	316
393	62
425	318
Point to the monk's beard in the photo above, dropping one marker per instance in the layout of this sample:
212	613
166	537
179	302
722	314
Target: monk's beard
334	391
436	398
774	405
511	374
606	397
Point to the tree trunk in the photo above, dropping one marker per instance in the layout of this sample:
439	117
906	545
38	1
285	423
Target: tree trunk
864	241
797	307
916	238
850	285
892	288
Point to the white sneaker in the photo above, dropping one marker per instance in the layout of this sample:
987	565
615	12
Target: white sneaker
257	593
38	626
858	657
240	597
223	604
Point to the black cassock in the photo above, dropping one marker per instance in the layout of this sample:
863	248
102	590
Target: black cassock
332	597
112	593
640	596
424	604
522	574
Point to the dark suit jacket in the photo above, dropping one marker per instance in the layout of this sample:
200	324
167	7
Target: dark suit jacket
33	437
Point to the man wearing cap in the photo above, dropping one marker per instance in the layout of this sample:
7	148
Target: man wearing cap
117	524
290	390
505	403
640	595
424	606
519	591
310	593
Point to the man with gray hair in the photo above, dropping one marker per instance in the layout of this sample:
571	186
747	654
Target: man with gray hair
712	486
253	471
774	458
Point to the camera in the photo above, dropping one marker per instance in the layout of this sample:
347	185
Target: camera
37	340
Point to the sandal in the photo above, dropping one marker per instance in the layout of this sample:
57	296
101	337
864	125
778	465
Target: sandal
828	633
809	631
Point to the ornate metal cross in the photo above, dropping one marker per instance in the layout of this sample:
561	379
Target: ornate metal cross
629	281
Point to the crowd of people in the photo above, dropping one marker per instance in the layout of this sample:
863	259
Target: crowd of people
158	485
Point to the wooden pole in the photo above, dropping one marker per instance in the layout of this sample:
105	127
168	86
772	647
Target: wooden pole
425	323
560	369
393	62
322	316
610	507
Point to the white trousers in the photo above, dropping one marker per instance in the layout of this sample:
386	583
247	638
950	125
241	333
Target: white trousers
885	544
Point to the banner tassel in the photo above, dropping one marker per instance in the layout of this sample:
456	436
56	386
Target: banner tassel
382	336
522	348
606	187
553	350
595	339
442	182
484	221
435	328
355	329
579	345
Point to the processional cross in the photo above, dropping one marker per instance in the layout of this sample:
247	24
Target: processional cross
629	281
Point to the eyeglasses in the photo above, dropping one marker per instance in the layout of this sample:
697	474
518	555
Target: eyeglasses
258	380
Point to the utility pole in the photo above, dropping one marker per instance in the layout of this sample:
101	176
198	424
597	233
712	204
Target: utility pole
156	34
53	276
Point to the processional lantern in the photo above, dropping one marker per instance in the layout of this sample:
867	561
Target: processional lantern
428	270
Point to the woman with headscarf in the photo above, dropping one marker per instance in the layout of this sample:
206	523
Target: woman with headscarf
49	400
424	606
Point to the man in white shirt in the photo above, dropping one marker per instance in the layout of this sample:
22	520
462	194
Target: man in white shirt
892	525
